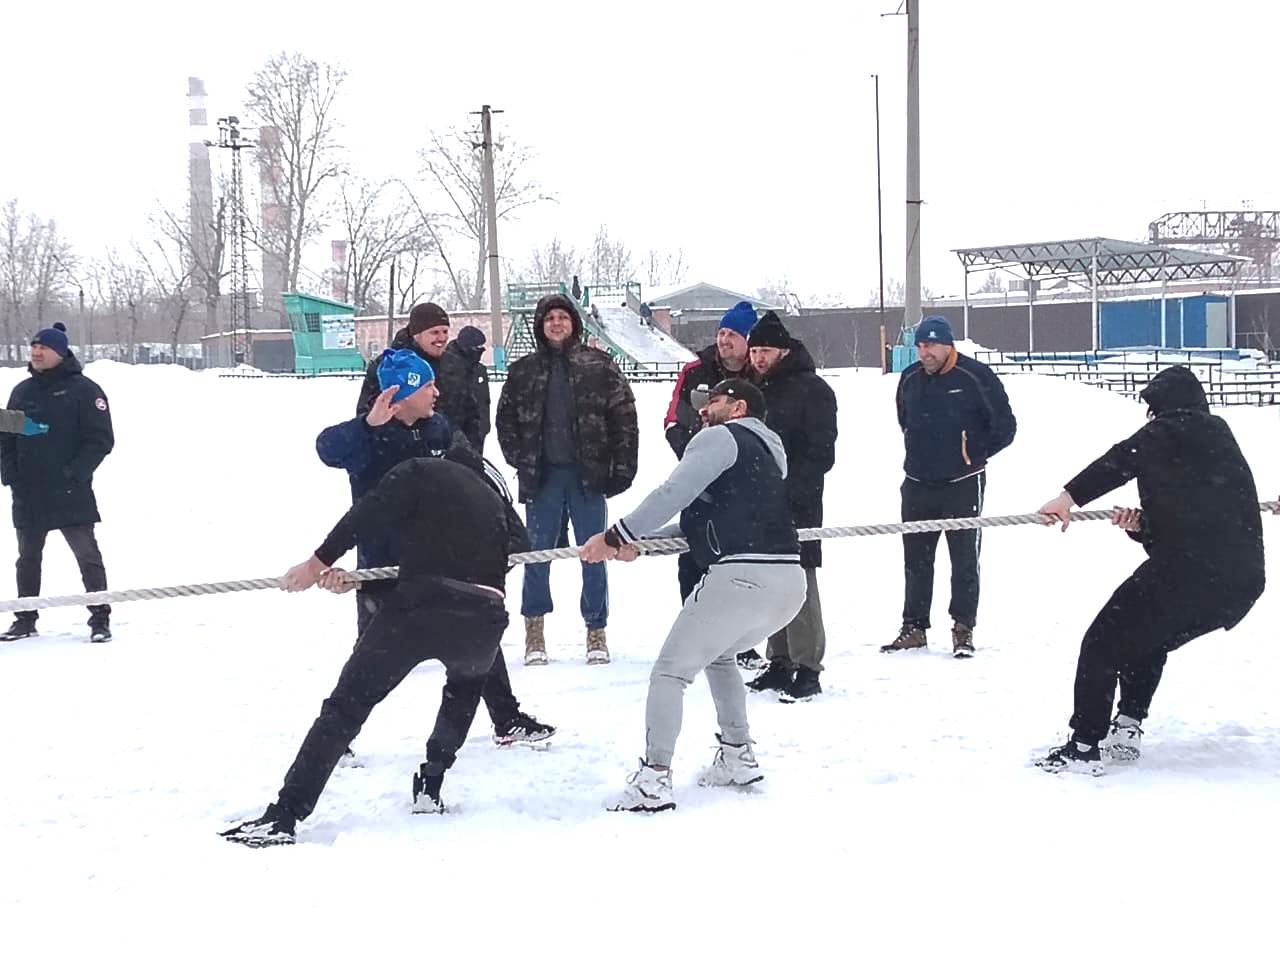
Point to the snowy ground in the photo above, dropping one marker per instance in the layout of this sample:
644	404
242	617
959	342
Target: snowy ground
899	817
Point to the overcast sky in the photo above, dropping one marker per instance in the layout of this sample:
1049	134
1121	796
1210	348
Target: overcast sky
741	132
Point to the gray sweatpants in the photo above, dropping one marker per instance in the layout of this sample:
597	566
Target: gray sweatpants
731	610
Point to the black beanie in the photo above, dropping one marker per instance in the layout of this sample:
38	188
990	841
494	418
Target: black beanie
424	316
769	332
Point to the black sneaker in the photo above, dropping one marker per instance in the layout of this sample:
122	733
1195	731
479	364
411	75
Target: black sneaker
101	633
1073	757
750	660
21	629
426	791
805	686
522	728
275	828
777	677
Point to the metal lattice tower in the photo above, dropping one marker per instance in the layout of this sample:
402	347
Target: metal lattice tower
229	138
1247	233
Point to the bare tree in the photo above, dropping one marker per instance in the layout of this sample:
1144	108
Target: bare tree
204	256
452	166
778	293
992	284
295	95
378	230
665	269
34	265
16	267
610	261
553	262
128	282
170	272
895	294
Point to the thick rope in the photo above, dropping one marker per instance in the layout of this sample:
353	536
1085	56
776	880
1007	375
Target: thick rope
658	547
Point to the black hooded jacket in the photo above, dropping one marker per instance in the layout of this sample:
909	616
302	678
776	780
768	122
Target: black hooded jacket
51	476
801	409
1200	514
606	435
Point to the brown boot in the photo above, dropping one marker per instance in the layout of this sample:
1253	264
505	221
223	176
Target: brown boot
535	643
961	640
910	637
597	649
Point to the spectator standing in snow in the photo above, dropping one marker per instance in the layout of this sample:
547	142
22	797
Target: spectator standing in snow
727	357
954	416
1199	524
471	377
455	536
802	411
566	422
400	427
50	472
730	491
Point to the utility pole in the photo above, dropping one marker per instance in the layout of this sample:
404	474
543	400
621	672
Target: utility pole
880	224
491	212
912	314
229	138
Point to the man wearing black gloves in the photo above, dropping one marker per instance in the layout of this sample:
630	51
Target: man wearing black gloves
802	411
728	357
401	426
49	465
954	416
1200	525
456	535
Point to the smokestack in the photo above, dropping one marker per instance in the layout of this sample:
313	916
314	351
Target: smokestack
339	291
200	182
275	220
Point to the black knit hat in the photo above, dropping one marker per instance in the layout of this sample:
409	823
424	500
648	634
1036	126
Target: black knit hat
424	316
769	332
736	388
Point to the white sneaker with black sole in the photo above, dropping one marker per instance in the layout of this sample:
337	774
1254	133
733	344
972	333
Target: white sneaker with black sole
648	791
1124	740
1073	757
734	766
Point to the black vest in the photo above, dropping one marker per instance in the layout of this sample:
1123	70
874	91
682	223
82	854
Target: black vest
743	513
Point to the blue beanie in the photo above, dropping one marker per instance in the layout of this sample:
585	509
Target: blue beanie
740	318
55	338
935	329
403	369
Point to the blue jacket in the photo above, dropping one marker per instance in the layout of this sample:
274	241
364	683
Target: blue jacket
952	421
369	453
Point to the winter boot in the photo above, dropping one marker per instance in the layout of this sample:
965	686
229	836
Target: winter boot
350	760
535	643
777	676
961	641
597	649
910	637
22	628
1124	741
426	791
522	728
1073	757
648	791
750	660
99	631
274	828
805	686
734	766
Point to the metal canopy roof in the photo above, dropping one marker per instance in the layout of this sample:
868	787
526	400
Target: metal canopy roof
1118	261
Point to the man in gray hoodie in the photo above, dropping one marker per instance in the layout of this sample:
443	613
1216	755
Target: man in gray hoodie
730	491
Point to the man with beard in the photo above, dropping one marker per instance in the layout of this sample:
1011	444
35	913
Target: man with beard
802	411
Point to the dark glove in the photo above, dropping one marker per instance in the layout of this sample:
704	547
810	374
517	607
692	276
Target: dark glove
617	485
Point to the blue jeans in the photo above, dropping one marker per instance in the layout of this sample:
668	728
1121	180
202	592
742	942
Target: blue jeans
560	492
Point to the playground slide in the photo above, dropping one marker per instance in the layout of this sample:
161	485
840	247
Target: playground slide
643	342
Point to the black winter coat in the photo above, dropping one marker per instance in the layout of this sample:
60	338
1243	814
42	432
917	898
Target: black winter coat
801	409
51	476
606	433
1200	516
458	396
682	421
952	421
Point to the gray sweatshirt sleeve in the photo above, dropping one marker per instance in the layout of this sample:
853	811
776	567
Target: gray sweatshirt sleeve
711	451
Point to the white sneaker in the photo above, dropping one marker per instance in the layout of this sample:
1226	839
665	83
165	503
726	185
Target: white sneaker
734	766
648	791
1124	740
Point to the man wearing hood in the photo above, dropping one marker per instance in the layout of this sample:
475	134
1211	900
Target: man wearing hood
427	335
1199	523
728	357
731	493
50	472
802	411
566	422
954	416
462	376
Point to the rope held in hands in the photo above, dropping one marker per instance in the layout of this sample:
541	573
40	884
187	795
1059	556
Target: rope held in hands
660	547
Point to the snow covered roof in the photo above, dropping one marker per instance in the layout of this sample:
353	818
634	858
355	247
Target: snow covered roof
1115	261
704	296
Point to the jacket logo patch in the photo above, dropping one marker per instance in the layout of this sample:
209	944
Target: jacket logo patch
101	404
957	390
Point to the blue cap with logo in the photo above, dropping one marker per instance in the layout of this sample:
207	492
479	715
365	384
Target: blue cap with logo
404	369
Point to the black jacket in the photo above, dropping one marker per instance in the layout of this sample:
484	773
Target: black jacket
51	476
682	421
606	432
952	421
801	409
459	396
1200	514
448	520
